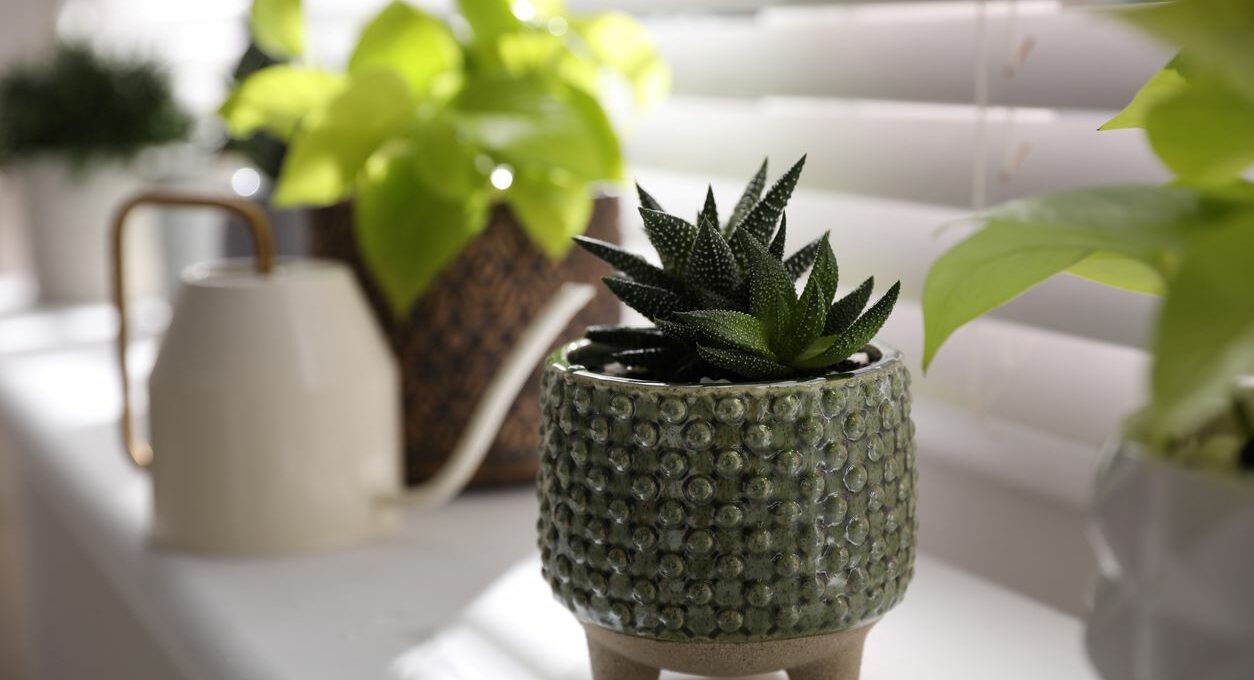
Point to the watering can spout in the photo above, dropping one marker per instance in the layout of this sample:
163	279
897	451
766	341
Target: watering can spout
489	414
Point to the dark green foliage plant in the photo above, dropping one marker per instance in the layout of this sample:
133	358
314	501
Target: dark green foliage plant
724	301
84	106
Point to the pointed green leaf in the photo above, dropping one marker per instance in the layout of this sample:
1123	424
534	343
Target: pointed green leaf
752	192
334	142
649	357
629	337
647	200
711	264
276	98
845	311
552	207
277	27
771	294
635	267
857	336
415	45
653	302
815	299
677	331
671	237
777	244
1203	341
709	211
734	330
408	230
761	220
744	364
800	261
1205	132
1162	86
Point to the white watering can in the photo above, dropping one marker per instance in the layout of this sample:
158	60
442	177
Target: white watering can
275	405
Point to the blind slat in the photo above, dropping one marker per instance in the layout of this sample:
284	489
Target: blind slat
1040	54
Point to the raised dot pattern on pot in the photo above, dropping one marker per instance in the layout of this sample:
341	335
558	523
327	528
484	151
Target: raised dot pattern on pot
730	513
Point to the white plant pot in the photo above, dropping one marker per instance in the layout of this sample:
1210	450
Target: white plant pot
1175	599
69	214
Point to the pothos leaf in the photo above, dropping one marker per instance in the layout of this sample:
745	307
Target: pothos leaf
277	27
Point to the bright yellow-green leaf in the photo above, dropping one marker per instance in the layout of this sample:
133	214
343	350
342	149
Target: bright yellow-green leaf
412	43
622	44
1165	84
1204	132
536	53
407	229
1205	335
552	207
529	122
1215	34
334	142
1025	242
276	98
489	19
1118	271
277	27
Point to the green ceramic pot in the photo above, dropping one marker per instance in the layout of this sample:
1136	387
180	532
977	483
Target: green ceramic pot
729	513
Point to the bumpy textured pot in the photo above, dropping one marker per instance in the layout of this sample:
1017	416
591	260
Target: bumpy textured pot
769	522
1176	549
457	335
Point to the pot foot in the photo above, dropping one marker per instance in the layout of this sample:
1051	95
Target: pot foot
847	666
610	665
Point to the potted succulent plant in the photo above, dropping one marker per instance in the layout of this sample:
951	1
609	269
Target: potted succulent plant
1174	510
71	127
450	164
731	490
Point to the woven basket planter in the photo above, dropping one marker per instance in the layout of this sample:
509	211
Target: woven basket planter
454	339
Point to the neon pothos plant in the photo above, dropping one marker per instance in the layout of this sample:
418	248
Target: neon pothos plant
724	302
1190	242
428	126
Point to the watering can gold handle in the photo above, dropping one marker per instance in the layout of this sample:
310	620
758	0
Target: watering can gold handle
137	448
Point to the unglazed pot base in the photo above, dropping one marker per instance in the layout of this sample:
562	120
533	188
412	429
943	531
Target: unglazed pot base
830	656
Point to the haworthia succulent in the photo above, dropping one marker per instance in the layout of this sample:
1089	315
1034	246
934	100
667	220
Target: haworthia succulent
728	305
634	266
750	197
711	264
671	237
709	211
744	364
647	200
846	310
761	220
735	330
651	301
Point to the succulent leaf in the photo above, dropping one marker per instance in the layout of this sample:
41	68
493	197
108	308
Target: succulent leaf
857	335
800	261
734	330
709	211
628	337
634	266
671	237
711	265
761	220
811	316
777	244
647	200
846	310
747	200
648	357
744	364
771	293
653	302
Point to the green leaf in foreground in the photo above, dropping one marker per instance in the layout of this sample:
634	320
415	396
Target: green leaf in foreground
408	230
552	207
276	98
1165	84
1214	33
413	44
1203	340
334	142
277	27
1025	242
1204	133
